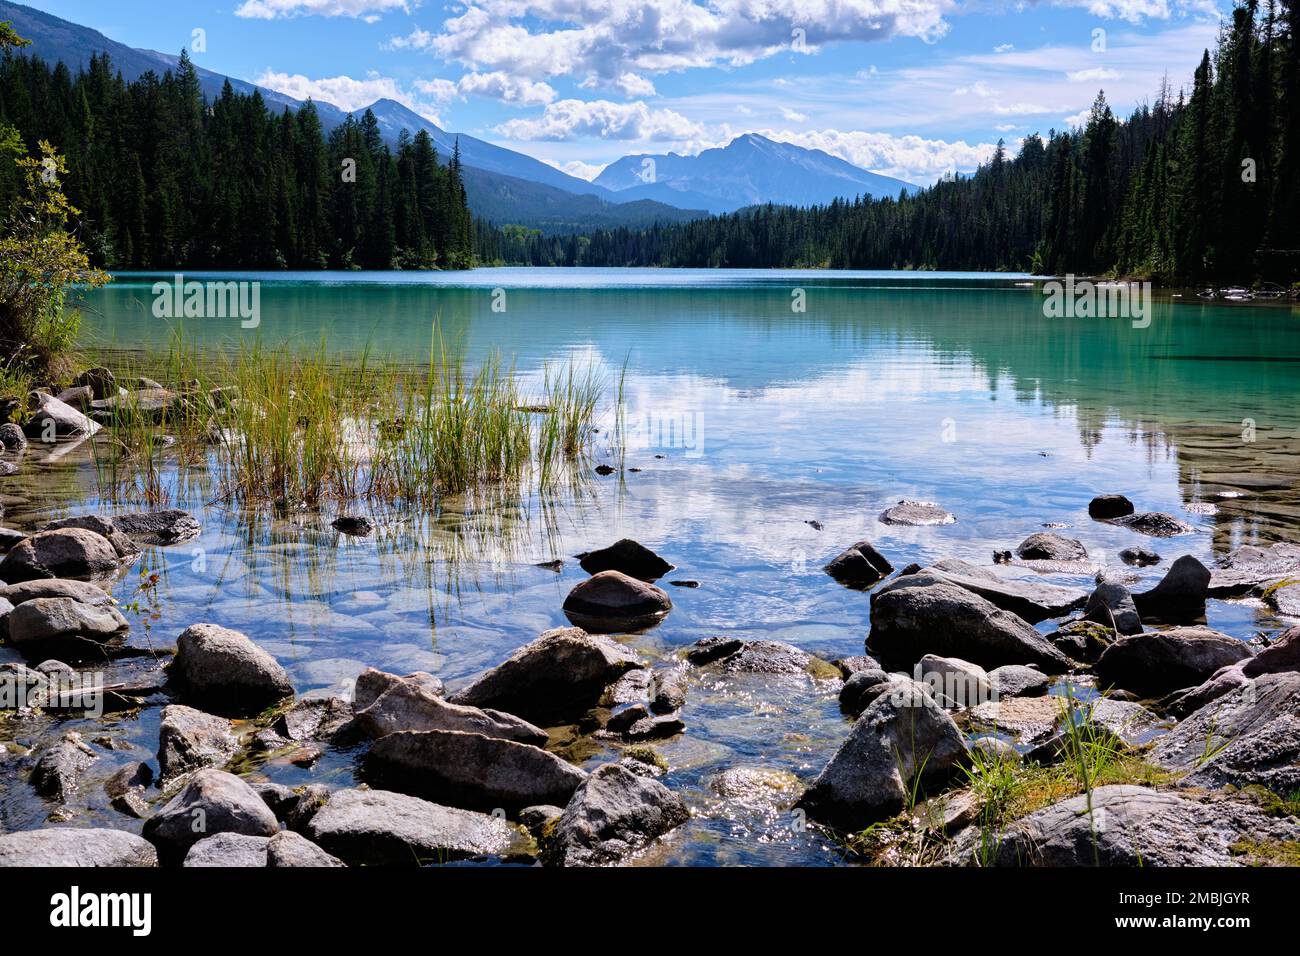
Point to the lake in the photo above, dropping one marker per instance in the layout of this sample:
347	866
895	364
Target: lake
766	439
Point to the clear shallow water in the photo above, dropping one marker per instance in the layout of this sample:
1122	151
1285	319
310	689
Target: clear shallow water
951	388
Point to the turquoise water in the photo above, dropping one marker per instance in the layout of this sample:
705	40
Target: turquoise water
749	420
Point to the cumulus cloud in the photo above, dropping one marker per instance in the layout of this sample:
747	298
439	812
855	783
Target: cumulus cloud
1135	11
502	86
911	158
1093	75
367	10
792	116
568	119
576	167
546	38
349	93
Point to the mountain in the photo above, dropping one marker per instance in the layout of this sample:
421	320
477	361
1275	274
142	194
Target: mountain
502	185
751	169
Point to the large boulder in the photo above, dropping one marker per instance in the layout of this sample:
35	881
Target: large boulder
953	682
99	380
225	672
1250	735
63	627
228	850
629	557
83	591
859	566
1111	605
1031	600
613	601
470	770
52	418
75	847
733	655
1127	826
125	548
409	707
380	828
1154	663
1018	680
1280	656
59	768
1251	568
371	683
1046	546
155	528
189	739
64	553
943	619
212	802
916	514
614	812
289	849
1180	596
903	743
556	677
1107	507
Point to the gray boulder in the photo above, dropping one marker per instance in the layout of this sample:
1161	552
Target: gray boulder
944	619
1154	523
1111	605
189	739
859	566
470	770
1017	680
125	548
902	743
916	514
12	437
212	802
629	557
159	528
225	672
1107	507
1157	662
613	813
289	849
1031	600
75	847
228	850
66	553
63	627
1129	826
733	655
861	689
1046	546
409	707
1251	568
953	682
1180	596
379	828
1280	656
557	677
372	682
613	601
59	768
52	418
83	591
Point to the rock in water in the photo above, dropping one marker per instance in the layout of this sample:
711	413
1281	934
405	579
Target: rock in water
1017	680
12	437
613	601
1033	600
1107	507
63	627
1112	606
860	566
470	770
733	655
52	418
1044	546
1128	826
628	557
124	547
916	514
357	526
1180	596
212	802
1251	735
904	735
1139	557
612	814
380	828
944	619
1251	568
557	677
59	768
409	707
1158	662
225	672
67	553
1155	523
154	528
75	847
189	739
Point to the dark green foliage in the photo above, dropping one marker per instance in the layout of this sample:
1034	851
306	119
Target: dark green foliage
166	180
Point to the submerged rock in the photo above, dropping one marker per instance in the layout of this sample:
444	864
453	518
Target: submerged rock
1107	507
613	601
470	770
159	528
59	768
613	813
944	619
75	847
66	553
381	828
1158	662
904	735
859	566
737	656
628	557
916	514
357	526
1045	546
225	672
1127	826
1155	523
407	706
212	802
556	677
1139	557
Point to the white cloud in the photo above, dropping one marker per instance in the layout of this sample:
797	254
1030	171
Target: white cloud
367	10
1135	11
576	167
1092	75
633	85
1078	119
792	116
506	88
1004	48
346	92
606	119
545	38
910	158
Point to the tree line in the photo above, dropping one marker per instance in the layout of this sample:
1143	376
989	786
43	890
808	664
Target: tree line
164	179
1201	185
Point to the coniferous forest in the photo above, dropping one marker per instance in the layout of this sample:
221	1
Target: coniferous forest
1203	183
165	180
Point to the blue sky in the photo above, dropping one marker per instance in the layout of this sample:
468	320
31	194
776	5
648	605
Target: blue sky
910	88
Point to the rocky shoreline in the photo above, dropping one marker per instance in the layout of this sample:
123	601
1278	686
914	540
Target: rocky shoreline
965	668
